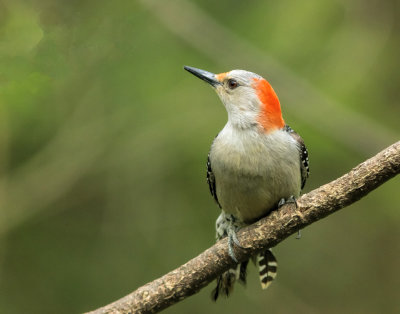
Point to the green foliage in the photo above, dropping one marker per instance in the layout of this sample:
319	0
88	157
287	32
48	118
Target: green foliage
104	137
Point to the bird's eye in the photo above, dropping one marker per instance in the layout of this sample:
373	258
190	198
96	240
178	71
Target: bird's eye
232	83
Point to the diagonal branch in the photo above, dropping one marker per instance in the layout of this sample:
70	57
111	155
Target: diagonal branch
189	278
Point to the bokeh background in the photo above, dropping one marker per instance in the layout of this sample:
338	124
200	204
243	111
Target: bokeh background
104	138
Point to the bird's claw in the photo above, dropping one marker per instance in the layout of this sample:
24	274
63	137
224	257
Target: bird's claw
290	200
230	250
232	241
233	236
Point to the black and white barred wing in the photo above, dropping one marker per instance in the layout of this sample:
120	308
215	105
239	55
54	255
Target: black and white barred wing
304	166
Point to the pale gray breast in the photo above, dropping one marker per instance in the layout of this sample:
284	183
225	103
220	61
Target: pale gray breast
254	171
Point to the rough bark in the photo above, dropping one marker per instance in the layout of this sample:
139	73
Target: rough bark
189	278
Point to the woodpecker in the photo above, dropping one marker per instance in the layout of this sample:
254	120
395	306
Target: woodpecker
256	164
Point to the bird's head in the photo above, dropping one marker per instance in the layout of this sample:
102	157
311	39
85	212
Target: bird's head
248	98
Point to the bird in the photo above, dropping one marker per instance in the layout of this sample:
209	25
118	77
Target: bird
256	164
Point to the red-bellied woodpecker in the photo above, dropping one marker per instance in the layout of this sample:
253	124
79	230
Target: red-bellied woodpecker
255	164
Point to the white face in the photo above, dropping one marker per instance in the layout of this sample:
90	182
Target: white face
237	93
248	98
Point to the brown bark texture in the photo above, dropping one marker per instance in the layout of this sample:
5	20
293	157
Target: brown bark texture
189	278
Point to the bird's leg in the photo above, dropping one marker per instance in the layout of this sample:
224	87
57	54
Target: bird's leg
232	239
227	225
232	228
290	200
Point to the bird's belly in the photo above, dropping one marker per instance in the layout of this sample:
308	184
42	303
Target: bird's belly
249	198
249	188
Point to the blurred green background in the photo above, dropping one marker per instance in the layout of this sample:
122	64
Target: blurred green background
104	138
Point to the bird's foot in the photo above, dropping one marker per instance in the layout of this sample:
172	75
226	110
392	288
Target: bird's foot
226	226
290	200
232	241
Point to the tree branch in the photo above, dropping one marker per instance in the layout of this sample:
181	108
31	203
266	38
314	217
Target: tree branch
189	278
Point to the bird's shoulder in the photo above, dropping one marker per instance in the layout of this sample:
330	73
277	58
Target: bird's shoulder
303	154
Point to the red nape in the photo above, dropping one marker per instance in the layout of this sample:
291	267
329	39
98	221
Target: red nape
270	116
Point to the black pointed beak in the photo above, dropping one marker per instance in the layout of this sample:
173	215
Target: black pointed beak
209	77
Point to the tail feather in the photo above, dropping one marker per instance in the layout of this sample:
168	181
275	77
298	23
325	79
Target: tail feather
267	266
226	281
243	272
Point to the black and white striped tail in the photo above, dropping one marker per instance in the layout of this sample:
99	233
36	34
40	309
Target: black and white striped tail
267	266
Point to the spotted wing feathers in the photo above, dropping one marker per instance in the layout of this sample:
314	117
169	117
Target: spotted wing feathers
304	167
211	181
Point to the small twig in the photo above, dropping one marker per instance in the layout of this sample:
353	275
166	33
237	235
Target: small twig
189	278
